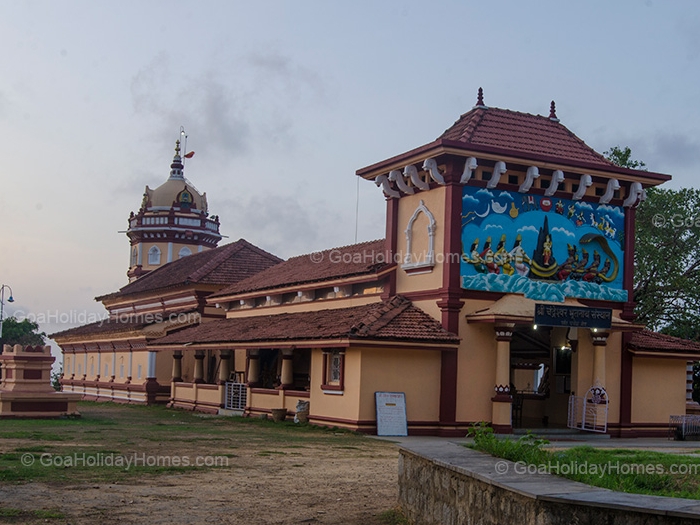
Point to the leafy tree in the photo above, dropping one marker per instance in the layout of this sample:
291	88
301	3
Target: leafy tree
623	157
24	333
667	256
667	261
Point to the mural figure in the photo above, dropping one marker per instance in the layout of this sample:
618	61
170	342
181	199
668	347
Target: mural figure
519	257
561	248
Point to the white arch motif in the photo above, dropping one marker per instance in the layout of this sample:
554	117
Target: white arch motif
428	261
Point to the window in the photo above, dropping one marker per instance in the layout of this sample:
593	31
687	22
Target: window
333	370
138	372
513	179
134	256
154	255
184	252
106	370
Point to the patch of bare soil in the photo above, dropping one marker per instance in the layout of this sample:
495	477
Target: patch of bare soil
315	482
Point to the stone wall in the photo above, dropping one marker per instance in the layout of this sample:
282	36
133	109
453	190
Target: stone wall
448	484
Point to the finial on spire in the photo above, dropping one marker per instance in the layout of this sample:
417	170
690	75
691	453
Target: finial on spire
553	112
177	166
480	100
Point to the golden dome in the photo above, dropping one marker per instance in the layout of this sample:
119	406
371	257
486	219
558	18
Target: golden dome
176	192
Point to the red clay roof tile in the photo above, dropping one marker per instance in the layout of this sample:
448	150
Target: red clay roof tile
223	265
347	261
394	319
655	342
523	133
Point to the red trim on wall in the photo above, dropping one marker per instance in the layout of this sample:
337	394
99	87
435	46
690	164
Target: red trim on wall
391	244
450	302
39	406
628	277
32	374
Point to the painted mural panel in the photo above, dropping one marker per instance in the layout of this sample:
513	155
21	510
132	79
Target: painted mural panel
544	247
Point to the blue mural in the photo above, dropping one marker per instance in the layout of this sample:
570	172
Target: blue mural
544	247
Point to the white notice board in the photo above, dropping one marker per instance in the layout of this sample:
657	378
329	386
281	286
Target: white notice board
391	413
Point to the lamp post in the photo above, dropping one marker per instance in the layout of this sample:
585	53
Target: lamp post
2	303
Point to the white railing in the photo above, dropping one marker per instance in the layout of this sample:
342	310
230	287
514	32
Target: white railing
683	426
589	412
236	396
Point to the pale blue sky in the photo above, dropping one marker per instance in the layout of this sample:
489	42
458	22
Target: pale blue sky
283	101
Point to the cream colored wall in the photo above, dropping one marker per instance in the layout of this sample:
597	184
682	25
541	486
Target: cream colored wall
308	306
265	401
140	357
658	389
415	372
476	366
164	366
582	370
163	246
239	361
345	406
435	201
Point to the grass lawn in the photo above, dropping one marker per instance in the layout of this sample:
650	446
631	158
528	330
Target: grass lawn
635	471
126	463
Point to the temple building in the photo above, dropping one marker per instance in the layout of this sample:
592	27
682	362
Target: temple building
173	222
110	359
502	292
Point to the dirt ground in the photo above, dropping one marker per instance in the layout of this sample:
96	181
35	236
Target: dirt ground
272	477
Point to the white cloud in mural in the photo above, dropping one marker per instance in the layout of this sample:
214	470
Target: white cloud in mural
527	229
505	194
485	192
584	205
494	226
470	199
615	210
564	231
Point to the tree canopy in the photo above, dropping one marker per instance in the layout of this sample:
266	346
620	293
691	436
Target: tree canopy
23	332
623	157
667	256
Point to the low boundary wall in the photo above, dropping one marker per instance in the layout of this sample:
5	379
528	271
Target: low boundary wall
448	484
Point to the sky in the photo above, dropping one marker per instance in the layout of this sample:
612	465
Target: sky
283	101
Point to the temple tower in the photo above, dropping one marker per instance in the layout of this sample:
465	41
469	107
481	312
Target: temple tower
172	222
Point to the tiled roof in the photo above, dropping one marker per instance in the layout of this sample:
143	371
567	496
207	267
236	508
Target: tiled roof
394	319
223	265
147	325
649	341
103	327
521	132
347	261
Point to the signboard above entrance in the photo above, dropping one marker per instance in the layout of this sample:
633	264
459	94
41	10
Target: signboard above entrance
574	316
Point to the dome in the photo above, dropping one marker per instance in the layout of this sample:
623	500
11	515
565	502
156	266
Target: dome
177	191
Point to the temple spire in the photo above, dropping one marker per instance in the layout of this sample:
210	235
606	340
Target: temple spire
553	112
480	100
176	167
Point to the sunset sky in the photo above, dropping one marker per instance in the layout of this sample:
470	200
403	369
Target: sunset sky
283	101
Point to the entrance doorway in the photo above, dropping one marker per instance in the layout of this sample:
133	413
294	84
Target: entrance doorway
540	372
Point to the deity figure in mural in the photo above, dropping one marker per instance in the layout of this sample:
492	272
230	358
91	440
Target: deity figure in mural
487	255
519	257
474	258
568	265
502	257
592	270
547	250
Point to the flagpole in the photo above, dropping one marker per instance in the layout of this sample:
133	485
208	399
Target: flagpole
184	145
